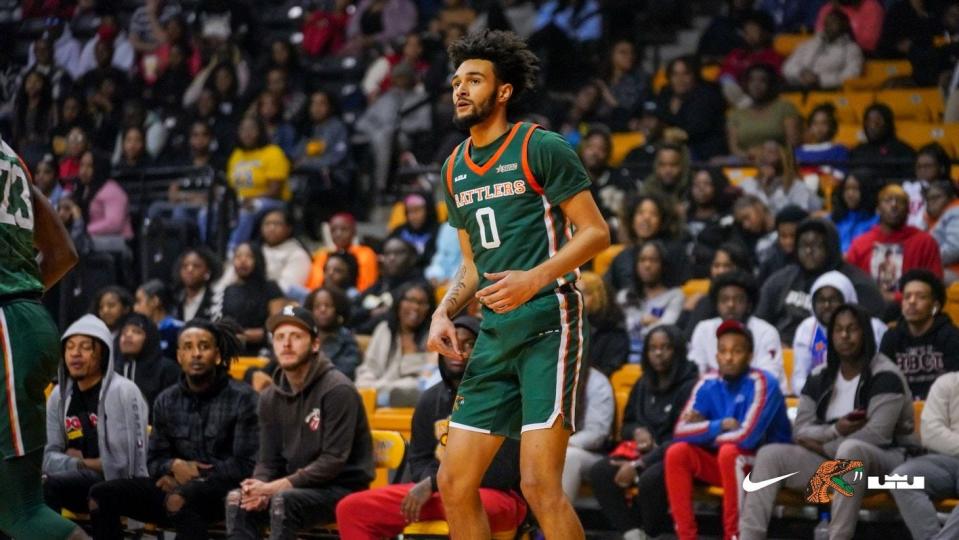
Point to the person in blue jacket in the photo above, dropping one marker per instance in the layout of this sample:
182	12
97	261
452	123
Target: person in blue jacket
730	413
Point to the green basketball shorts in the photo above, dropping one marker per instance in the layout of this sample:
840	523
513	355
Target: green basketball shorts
30	354
524	370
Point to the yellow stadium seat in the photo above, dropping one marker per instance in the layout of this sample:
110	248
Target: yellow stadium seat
605	258
368	395
711	73
875	73
952	303
241	365
624	378
917	134
788	370
398	214
389	455
695	286
737	174
797	99
850	135
914	104
786	44
47	391
398	419
622	144
433	529
849	105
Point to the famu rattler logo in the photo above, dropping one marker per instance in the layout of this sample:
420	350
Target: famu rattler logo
829	475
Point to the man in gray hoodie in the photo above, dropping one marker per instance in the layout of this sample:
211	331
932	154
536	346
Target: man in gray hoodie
96	419
315	443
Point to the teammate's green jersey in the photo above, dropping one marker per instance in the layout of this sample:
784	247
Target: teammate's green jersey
19	272
507	196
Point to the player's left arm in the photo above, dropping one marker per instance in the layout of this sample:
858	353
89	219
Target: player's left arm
591	235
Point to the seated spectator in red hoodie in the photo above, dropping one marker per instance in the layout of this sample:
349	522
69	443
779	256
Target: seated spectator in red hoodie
729	414
892	248
385	512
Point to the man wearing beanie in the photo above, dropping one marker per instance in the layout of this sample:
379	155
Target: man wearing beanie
925	343
892	248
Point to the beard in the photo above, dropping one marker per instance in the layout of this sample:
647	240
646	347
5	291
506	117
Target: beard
202	379
481	112
300	360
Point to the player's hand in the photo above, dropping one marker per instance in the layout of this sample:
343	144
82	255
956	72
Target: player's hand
415	499
442	338
509	289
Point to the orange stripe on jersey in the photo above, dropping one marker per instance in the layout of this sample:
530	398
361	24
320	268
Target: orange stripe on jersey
449	169
525	159
502	148
26	170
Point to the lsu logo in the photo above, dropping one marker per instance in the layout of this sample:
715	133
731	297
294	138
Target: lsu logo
506	167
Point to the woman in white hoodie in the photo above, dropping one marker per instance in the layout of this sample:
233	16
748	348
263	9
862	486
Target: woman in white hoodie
810	344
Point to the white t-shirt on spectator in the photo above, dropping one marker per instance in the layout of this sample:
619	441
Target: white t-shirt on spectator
767	347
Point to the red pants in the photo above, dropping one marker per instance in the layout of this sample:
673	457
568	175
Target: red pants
375	513
684	462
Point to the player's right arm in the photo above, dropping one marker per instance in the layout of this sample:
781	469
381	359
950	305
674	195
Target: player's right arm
57	254
462	289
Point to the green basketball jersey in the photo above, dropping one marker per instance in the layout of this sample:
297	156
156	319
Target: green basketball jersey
507	197
19	272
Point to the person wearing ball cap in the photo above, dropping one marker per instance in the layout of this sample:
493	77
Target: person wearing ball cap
729	414
315	444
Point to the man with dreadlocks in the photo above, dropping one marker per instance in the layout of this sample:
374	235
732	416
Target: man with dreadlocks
204	442
516	193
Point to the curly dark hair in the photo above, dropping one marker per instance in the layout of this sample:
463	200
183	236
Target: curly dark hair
513	62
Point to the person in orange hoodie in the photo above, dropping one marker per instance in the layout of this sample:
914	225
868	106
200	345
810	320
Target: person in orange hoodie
892	248
942	216
343	230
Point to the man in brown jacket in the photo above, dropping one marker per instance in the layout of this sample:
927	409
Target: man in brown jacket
315	444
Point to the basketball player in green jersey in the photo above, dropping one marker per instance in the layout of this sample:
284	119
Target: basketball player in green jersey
520	198
29	347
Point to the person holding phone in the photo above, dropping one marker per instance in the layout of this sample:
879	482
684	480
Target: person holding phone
855	406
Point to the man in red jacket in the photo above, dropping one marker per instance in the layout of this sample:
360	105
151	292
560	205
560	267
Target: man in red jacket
892	248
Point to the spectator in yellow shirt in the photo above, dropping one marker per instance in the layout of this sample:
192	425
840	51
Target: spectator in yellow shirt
259	172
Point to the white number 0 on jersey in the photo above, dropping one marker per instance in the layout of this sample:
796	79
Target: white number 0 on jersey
492	241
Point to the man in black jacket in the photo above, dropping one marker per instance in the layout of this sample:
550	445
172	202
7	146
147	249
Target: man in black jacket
315	443
784	300
203	443
925	343
384	512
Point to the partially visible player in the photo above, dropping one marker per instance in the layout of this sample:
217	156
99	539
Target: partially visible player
520	197
29	347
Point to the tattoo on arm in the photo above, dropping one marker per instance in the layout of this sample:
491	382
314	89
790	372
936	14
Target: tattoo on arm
452	300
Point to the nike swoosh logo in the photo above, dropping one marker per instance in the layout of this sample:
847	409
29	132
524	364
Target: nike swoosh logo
751	486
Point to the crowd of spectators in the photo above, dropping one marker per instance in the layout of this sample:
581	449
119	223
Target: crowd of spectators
313	116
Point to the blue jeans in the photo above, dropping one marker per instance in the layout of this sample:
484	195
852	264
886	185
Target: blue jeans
248	218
